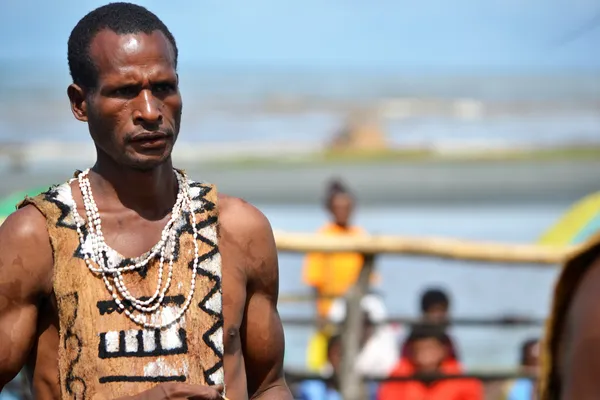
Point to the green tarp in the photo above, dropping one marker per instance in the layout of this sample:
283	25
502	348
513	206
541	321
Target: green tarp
7	204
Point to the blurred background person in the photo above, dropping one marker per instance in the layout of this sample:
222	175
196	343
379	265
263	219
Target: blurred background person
429	356
435	309
331	275
325	390
525	388
329	389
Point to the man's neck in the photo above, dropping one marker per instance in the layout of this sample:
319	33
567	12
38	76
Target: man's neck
151	193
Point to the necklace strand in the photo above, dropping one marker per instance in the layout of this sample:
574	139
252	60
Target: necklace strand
98	255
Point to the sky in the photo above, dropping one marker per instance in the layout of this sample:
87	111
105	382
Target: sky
474	35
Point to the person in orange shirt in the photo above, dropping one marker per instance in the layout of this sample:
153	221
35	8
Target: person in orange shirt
429	356
332	274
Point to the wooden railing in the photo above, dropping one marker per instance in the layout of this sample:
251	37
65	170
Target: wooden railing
372	246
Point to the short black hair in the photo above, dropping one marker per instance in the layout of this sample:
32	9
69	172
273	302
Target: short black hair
427	331
433	297
121	18
334	188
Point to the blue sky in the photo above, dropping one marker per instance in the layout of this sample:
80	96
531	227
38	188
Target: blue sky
336	34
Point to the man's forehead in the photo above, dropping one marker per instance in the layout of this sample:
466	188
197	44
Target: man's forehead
110	49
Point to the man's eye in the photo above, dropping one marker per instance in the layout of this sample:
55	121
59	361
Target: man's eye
163	88
127	91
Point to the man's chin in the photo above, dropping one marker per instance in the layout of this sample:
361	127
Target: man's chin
147	163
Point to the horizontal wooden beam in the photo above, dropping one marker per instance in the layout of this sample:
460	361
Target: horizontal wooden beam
472	322
296	375
424	246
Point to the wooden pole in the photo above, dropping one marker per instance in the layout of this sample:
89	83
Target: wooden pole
351	384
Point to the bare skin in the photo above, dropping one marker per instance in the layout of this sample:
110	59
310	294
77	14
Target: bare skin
580	354
135	189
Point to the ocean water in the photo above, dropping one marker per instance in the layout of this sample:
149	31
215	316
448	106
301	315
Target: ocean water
477	289
306	109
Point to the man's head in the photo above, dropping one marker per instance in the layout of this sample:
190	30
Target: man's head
340	203
334	352
123	61
435	305
428	348
530	355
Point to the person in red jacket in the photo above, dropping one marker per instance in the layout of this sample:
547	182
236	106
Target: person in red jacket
429	357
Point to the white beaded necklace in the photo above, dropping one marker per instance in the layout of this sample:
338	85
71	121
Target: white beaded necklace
147	308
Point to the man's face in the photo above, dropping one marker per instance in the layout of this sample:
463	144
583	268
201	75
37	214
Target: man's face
428	354
437	313
334	355
342	206
532	358
134	112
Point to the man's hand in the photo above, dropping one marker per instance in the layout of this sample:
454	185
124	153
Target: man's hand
180	391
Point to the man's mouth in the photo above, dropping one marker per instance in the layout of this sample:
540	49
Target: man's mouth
151	140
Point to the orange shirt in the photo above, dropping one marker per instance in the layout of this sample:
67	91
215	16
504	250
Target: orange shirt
451	389
332	274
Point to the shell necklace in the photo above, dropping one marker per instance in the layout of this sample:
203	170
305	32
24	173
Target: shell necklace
97	261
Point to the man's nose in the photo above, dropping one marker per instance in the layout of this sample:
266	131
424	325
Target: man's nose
148	110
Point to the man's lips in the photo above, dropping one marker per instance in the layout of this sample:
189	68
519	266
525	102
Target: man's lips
151	140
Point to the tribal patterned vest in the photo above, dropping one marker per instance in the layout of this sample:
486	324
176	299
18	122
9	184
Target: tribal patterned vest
102	353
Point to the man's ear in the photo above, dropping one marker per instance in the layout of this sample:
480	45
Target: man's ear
78	102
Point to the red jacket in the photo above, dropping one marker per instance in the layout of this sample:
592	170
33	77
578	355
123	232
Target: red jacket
451	389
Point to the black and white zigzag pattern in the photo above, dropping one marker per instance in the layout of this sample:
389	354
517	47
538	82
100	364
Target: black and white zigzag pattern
210	266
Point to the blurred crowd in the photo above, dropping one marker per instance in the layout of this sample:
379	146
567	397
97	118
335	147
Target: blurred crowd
425	350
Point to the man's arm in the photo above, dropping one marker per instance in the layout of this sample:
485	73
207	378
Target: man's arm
25	279
263	341
579	356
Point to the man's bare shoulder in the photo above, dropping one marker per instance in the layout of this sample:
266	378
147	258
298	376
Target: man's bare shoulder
237	215
246	231
25	250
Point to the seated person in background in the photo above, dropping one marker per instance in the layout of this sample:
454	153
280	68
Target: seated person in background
525	388
429	356
321	390
380	350
435	307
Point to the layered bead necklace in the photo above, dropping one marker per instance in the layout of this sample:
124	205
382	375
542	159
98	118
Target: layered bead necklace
97	260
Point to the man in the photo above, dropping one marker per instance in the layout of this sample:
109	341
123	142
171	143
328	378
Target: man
435	305
73	286
429	357
570	351
525	388
435	308
322	390
331	275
